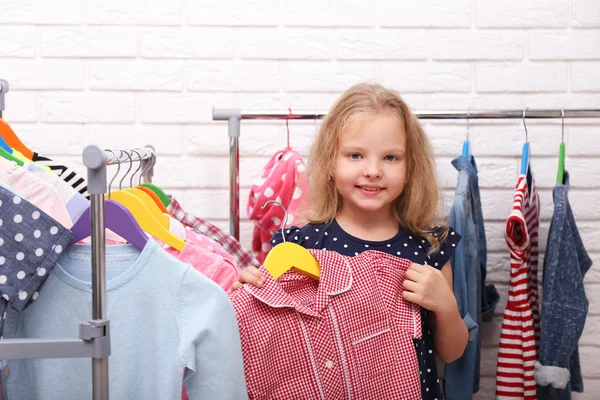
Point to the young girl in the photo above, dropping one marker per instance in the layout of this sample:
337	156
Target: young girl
374	187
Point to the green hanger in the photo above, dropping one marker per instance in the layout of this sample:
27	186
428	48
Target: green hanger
561	154
159	192
10	157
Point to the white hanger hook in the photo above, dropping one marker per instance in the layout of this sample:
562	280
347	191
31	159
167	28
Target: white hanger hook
284	210
525	125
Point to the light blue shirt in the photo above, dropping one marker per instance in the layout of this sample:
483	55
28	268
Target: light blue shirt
164	317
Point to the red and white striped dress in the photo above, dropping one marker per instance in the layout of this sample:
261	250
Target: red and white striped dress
520	335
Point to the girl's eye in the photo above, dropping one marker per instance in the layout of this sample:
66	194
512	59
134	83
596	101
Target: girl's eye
355	156
389	158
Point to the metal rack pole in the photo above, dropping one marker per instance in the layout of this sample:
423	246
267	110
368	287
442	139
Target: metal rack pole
234	117
3	90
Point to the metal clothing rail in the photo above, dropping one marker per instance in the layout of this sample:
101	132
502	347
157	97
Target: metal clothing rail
94	337
234	116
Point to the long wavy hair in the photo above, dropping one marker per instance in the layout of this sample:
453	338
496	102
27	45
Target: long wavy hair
416	209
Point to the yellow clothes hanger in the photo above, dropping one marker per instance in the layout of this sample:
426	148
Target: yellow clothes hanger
144	216
289	255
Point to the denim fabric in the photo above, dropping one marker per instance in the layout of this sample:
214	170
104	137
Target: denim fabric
30	245
461	377
564	303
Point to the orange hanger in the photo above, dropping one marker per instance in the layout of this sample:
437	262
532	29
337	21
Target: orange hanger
155	198
12	139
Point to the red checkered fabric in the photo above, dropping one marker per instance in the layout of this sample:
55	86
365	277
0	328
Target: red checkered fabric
519	338
349	335
243	257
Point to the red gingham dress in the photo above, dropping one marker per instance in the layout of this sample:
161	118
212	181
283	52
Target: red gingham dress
347	336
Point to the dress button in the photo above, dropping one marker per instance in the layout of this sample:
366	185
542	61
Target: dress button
329	364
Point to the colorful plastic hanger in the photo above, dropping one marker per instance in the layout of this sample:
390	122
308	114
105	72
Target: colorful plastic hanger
10	157
5	146
118	219
288	255
561	154
11	138
466	150
158	191
154	197
526	150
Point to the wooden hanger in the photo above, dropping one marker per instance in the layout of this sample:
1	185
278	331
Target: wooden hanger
289	255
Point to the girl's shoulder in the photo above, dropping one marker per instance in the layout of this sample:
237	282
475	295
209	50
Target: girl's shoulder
449	240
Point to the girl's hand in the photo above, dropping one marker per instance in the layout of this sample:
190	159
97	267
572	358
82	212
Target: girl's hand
427	287
251	275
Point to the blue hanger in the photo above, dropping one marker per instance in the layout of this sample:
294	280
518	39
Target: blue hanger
466	150
5	145
525	153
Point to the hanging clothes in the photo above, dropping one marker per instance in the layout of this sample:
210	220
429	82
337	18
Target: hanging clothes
31	243
520	333
243	257
474	298
284	180
348	335
564	303
36	191
165	317
65	173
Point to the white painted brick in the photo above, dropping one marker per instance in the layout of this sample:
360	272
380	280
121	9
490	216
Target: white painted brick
507	139
231	76
246	229
593	274
522	14
382	45
329	14
446	139
496	173
325	76
498	267
87	107
187	43
584	172
309	102
166	139
496	204
425	13
182	107
53	139
561	45
20	106
590	331
477	45
447	175
217	13
44	74
17	41
426	77
511	100
591	389
208	139
88	42
585	77
589	356
204	172
582	140
586	13
145	75
208	203
134	12
590	235
43	12
286	44
538	77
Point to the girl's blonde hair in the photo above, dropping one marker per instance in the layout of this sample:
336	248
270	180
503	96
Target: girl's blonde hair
416	207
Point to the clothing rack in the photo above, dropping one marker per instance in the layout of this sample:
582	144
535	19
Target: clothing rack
94	337
234	116
3	90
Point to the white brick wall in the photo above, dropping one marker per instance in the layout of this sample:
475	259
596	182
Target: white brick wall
129	73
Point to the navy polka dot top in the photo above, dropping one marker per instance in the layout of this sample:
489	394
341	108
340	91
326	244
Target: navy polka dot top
331	236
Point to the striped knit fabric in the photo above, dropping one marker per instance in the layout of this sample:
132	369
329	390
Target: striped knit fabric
520	334
65	173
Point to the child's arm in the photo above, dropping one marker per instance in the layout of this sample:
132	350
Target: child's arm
450	332
251	275
432	289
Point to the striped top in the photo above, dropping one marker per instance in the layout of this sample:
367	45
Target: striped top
520	334
65	173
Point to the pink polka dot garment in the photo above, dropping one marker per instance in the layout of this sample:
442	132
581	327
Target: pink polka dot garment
284	179
31	243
